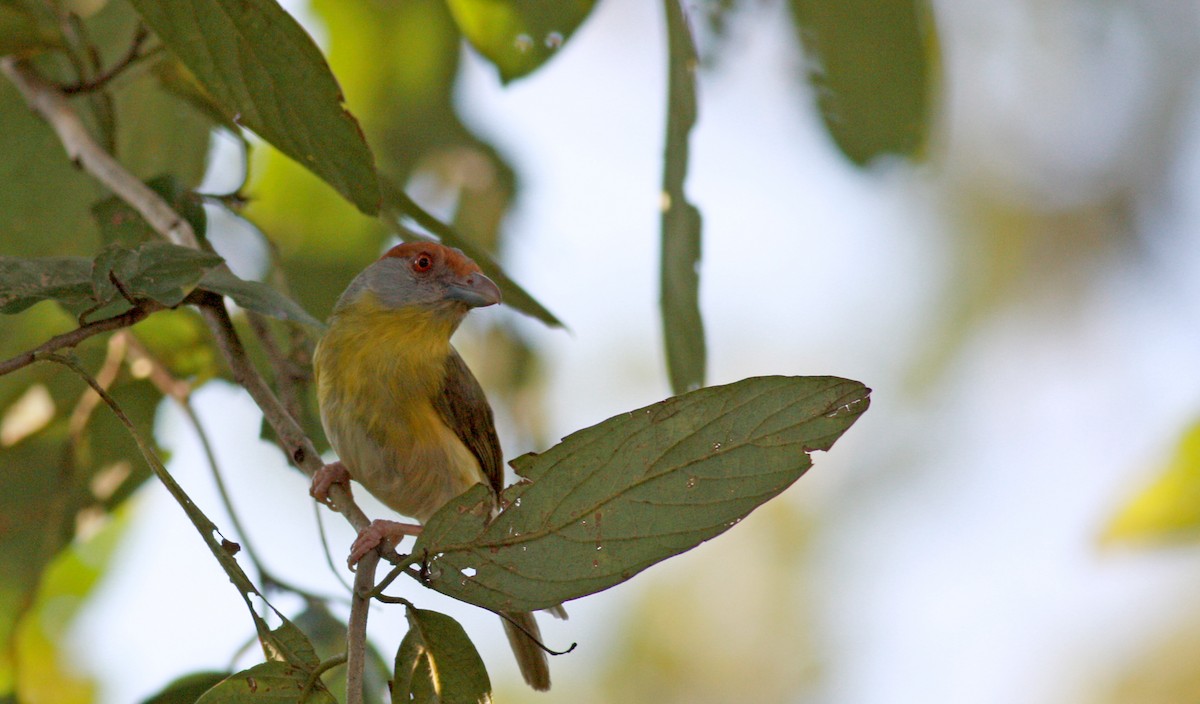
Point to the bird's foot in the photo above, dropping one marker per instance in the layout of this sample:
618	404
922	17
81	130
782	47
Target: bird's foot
385	533
325	478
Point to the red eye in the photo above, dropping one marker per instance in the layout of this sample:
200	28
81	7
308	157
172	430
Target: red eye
422	263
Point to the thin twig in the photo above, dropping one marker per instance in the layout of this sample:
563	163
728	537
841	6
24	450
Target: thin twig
325	666
180	392
78	335
114	355
356	633
133	54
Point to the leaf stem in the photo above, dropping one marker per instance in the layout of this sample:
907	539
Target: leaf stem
683	326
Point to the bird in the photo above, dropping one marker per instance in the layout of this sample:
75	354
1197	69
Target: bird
405	415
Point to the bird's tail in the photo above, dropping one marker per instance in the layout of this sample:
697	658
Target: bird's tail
522	628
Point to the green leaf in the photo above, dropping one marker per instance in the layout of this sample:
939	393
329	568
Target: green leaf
257	296
611	500
518	36
24	282
20	32
1169	508
683	326
270	76
266	683
438	664
873	68
187	689
157	270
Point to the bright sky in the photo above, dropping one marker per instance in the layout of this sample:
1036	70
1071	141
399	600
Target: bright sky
955	554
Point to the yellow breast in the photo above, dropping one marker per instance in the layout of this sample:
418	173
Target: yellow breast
377	373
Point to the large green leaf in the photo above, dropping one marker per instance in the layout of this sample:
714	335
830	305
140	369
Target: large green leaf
611	500
270	76
268	683
518	36
438	664
873	66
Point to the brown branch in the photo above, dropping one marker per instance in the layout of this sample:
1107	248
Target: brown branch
291	436
356	633
78	335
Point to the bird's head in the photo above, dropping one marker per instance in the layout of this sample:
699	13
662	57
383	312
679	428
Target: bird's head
423	277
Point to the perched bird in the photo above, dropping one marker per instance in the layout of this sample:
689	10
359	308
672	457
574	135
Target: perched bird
405	415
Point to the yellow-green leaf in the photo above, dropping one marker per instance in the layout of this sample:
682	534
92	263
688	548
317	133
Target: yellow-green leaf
518	36
1168	509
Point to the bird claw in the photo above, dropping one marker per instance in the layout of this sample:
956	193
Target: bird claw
325	478
380	532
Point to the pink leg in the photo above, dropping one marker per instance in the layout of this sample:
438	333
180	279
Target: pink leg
386	533
325	478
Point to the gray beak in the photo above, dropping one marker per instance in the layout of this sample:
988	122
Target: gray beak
476	291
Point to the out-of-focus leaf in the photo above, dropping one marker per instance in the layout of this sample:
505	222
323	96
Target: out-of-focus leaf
180	341
257	296
45	210
119	222
1168	509
438	664
20	32
65	585
267	683
24	282
397	205
611	500
683	326
36	498
328	636
518	36
187	689
261	65
873	65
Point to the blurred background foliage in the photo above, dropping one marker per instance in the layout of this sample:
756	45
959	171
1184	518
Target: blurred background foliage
1043	143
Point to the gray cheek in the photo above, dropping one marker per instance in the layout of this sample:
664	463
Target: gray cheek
394	284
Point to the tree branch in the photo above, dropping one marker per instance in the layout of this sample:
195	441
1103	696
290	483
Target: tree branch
356	633
78	335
